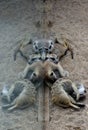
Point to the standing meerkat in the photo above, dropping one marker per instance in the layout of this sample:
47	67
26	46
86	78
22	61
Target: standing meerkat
61	94
24	95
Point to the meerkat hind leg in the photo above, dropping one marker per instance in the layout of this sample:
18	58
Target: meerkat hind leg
7	106
13	107
80	105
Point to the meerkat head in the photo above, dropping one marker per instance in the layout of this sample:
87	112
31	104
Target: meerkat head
43	47
81	89
50	77
35	46
37	77
5	94
51	46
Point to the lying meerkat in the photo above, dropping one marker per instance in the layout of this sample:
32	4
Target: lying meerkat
24	95
73	87
61	95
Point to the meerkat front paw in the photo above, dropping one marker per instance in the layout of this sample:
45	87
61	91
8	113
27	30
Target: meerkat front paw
66	73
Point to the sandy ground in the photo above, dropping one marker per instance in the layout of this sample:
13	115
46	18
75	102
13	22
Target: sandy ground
17	20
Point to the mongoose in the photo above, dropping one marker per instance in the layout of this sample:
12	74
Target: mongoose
61	96
73	87
24	95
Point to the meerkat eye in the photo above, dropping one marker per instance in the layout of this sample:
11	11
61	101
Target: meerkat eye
51	45
35	46
34	74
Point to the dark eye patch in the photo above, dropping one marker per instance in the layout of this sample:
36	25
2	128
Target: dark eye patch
51	74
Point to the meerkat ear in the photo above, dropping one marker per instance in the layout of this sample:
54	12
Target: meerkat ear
56	41
66	45
33	76
53	76
30	41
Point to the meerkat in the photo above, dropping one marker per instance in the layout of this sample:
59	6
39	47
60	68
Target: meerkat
24	95
73	87
81	89
61	96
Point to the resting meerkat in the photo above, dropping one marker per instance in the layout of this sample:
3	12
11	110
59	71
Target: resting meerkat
24	95
61	95
73	88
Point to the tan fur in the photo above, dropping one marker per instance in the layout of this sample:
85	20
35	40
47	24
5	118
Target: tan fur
50	67
25	97
61	97
36	67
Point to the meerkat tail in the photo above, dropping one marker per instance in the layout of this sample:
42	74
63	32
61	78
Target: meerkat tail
13	107
7	105
63	105
81	105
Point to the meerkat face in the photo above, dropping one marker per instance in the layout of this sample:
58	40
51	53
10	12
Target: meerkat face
51	46
5	94
35	46
50	78
81	89
37	78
